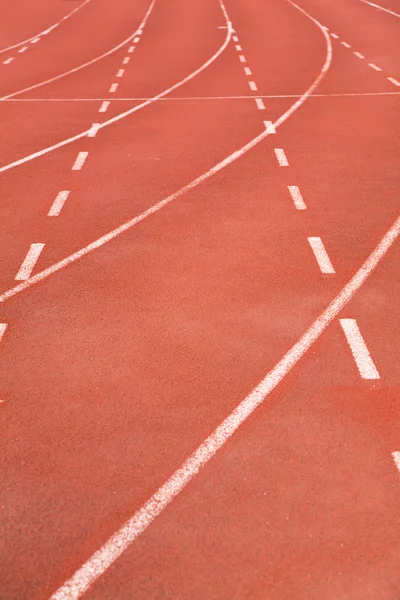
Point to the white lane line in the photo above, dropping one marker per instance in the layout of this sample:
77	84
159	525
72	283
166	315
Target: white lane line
104	557
7	62
253	86
235	38
35	40
136	40
396	455
3	327
247	70
242	58
269	127
359	349
126	60
58	203
359	54
321	255
345	44
131	49
373	66
238	48
120	72
281	157
381	8
104	106
23	49
79	161
297	197
260	103
93	130
335	36
29	263
394	81
113	88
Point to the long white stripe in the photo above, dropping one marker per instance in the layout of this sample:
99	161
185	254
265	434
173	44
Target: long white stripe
3	327
101	560
321	255
396	458
381	8
29	263
269	127
359	349
297	197
281	157
79	161
58	203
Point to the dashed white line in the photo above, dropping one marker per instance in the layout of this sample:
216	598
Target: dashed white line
253	86
345	44
58	203
126	60
3	327
260	104
247	70
359	54
321	255
93	130
113	88
23	49
235	38
396	457
335	36
80	161
269	127
359	350
238	48
7	62
136	40
297	197
131	49
120	72
281	157
29	263
104	106
242	58
394	81
373	66
35	40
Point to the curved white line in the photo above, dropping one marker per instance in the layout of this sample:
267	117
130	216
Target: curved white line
46	31
381	8
86	64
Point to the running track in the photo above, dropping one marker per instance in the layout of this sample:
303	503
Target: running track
199	374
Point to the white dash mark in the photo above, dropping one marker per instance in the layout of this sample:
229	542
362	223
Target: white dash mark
238	48
321	255
131	49
359	54
23	49
58	203
247	70
335	36
345	44
93	130
36	40
374	67
120	72
359	349
260	104
253	86
29	262
136	40
235	38
297	197
394	81
104	106
396	455
269	127
281	157
242	58
7	62
80	161
126	60
3	327
113	88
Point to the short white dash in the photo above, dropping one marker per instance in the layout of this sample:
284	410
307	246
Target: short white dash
345	44
58	203
126	60
238	48
35	41
120	72
136	40
394	81
29	262
131	49
359	349
80	161
359	54
335	36
23	49
269	127
260	104
242	58
247	70
321	255
93	130
253	86
235	38
396	455
281	157
374	67
297	197
3	327
113	88
104	106
7	62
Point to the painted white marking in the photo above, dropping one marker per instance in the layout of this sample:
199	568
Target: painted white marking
394	81
104	106
58	203
373	66
103	558
113	88
136	40
126	60
359	54
238	48
335	36
281	157
23	49
29	263
80	161
131	49
269	127
3	327
93	130
120	72
345	44
321	255
235	38
7	62
247	70
381	8
242	58
35	40
297	197
253	86
396	458
260	103
359	349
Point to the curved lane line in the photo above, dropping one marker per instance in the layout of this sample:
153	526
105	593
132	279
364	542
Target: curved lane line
46	31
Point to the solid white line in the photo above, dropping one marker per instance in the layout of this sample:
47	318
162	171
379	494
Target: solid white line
335	36
29	263
126	60
136	40
321	255
381	8
394	81
281	157
103	558
238	48
113	88
58	203
35	40
120	72
104	106
345	44
359	349
269	127
3	327
359	54
253	86
131	49
23	49
79	161
260	104
374	67
247	70
297	197
242	58
7	62
93	130
396	458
